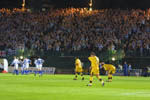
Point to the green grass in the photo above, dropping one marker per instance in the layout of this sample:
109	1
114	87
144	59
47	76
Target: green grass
63	87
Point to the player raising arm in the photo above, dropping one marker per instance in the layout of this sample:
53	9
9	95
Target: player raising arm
94	68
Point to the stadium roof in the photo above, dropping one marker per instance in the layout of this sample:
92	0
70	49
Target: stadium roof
77	3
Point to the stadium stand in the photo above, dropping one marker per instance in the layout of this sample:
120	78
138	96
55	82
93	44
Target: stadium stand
67	31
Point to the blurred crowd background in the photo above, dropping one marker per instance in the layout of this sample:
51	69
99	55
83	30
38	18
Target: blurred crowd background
76	29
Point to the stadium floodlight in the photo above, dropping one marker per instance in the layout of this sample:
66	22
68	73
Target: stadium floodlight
113	58
91	5
21	57
23	5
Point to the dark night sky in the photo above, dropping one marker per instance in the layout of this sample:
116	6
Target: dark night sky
79	3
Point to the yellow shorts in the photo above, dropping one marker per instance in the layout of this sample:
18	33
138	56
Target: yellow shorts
79	70
94	71
111	72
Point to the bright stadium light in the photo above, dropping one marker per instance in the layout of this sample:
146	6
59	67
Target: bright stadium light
21	57
113	59
91	5
23	5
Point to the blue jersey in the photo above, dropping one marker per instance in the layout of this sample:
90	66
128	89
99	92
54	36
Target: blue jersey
22	64
15	62
26	62
40	61
36	62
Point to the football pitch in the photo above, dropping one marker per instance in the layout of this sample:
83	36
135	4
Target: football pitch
63	87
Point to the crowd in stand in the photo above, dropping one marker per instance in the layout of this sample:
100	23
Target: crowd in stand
76	29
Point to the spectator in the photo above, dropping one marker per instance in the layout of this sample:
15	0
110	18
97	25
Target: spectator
125	69
76	29
120	67
129	69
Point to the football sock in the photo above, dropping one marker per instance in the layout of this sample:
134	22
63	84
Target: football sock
76	75
82	76
28	71
91	80
99	78
14	72
25	71
109	77
35	72
22	72
40	72
17	72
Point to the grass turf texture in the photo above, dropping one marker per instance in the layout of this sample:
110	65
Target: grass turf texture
63	87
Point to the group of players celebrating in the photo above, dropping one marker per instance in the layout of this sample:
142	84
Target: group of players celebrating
94	69
25	63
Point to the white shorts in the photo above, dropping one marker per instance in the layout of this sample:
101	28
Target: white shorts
26	66
39	67
16	67
23	67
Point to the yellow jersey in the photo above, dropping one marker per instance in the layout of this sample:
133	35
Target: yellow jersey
94	62
78	63
109	67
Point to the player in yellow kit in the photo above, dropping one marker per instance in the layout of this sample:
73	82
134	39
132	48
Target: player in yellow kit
94	68
111	69
78	68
